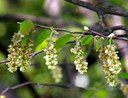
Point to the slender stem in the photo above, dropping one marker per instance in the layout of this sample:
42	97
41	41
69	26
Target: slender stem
57	29
33	83
35	53
31	55
82	34
64	86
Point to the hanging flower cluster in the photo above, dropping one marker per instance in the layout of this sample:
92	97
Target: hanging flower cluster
51	55
19	56
124	88
52	62
111	64
57	74
80	62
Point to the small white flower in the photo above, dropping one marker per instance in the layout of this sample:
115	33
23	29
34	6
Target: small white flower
111	64
51	56
80	63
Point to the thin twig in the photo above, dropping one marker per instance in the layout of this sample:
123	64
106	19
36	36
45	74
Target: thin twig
5	61
64	86
57	29
84	33
31	55
35	53
37	19
33	83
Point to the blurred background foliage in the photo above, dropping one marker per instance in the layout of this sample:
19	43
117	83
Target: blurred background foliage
95	84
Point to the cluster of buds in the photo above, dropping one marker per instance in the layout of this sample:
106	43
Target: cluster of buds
80	62
124	88
19	56
57	74
51	55
111	64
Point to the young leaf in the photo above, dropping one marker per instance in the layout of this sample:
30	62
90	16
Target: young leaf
24	40
98	43
42	36
108	41
63	40
26	27
86	39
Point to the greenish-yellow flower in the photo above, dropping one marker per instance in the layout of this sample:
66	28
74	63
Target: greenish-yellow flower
57	74
51	56
111	64
80	62
19	56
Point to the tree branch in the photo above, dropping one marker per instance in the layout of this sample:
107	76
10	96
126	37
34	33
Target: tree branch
84	4
106	8
21	17
33	83
120	27
57	29
35	53
64	86
31	55
85	33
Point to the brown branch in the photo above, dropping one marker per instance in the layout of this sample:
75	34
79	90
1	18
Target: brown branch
120	27
35	53
38	19
31	55
84	33
57	29
106	7
64	86
33	83
84	4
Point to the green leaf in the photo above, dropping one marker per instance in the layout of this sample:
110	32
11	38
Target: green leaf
24	40
62	40
42	36
98	43
108	41
26	27
86	39
123	75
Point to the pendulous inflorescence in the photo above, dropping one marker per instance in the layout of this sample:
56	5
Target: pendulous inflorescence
52	62
51	55
57	74
111	63
80	62
124	88
18	56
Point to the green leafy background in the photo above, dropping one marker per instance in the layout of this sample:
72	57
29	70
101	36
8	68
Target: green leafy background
38	72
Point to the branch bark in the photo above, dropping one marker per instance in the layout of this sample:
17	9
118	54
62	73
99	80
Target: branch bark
21	17
106	8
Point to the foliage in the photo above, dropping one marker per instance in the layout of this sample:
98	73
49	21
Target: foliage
66	52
